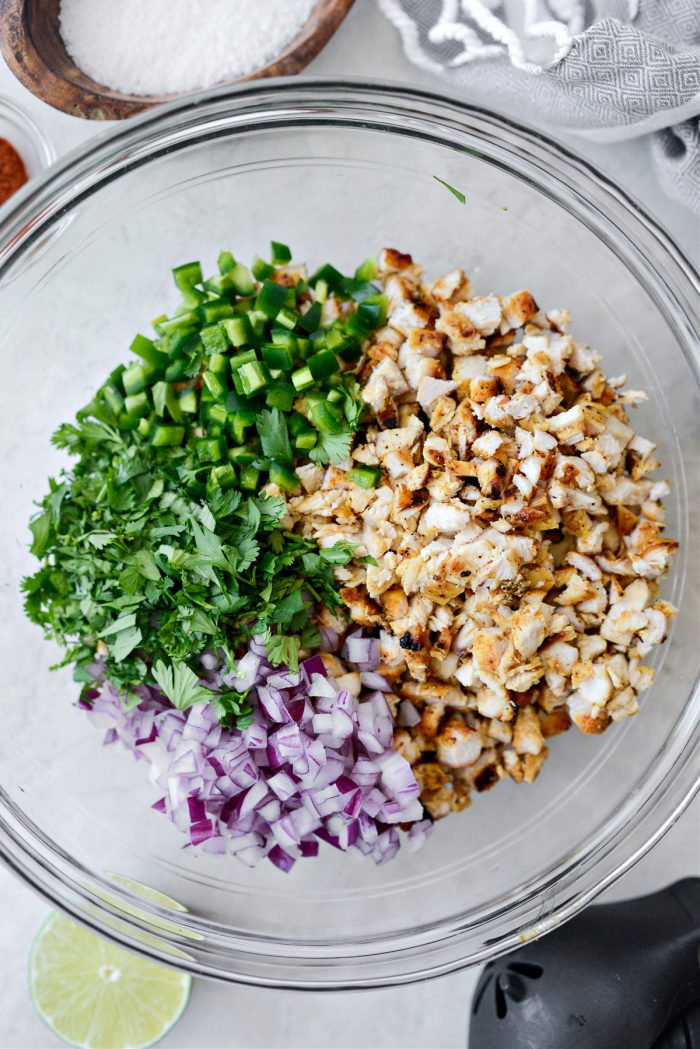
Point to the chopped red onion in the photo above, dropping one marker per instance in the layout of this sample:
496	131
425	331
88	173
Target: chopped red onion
362	650
329	643
280	858
408	714
314	665
314	763
371	679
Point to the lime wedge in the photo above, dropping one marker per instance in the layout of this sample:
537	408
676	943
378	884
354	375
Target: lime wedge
99	996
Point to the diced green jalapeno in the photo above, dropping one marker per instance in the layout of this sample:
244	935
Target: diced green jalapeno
192	298
302	378
145	425
324	419
223	476
113	397
240	422
305	440
323	364
214	338
253	377
179	322
210	449
217	310
271	298
214	384
331	277
287	318
242	455
278	357
336	339
136	378
177	370
350	353
187	401
217	414
226	262
137	404
249	478
281	397
280	253
147	350
238	329
311	320
239	359
367	270
240	280
296	423
373	311
284	337
187	275
356	328
218	364
261	269
167	436
179	341
284	478
365	476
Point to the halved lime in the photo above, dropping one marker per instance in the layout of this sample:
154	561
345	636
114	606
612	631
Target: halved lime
154	895
96	995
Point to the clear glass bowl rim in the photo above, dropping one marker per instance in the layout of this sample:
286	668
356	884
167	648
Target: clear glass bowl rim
667	275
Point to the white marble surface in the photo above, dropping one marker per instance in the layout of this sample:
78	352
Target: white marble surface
430	1015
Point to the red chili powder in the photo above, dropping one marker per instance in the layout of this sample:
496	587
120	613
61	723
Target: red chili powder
13	173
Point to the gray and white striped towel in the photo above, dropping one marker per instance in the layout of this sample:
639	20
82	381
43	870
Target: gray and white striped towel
607	69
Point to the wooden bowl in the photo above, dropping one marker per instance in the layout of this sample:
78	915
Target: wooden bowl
31	45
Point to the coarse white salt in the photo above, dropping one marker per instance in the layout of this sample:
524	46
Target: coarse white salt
164	47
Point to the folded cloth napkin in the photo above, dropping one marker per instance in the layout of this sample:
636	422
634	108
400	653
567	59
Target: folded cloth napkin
607	69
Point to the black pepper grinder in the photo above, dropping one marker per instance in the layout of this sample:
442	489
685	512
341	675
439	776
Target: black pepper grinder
618	976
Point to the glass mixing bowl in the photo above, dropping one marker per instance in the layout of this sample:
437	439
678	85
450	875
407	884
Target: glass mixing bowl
336	169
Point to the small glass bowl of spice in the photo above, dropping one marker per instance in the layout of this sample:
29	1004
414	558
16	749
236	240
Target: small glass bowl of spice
24	149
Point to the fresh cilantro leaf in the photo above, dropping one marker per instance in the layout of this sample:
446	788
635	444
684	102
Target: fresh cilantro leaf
100	539
455	192
145	563
276	542
271	509
207	518
311	562
124	643
286	608
331	448
340	553
283	650
224	504
274	436
233	708
41	530
202	623
180	685
131	580
208	545
119	624
246	548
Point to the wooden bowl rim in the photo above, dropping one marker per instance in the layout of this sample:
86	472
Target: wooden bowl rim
99	102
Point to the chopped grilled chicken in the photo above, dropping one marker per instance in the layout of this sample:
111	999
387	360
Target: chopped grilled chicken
517	533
